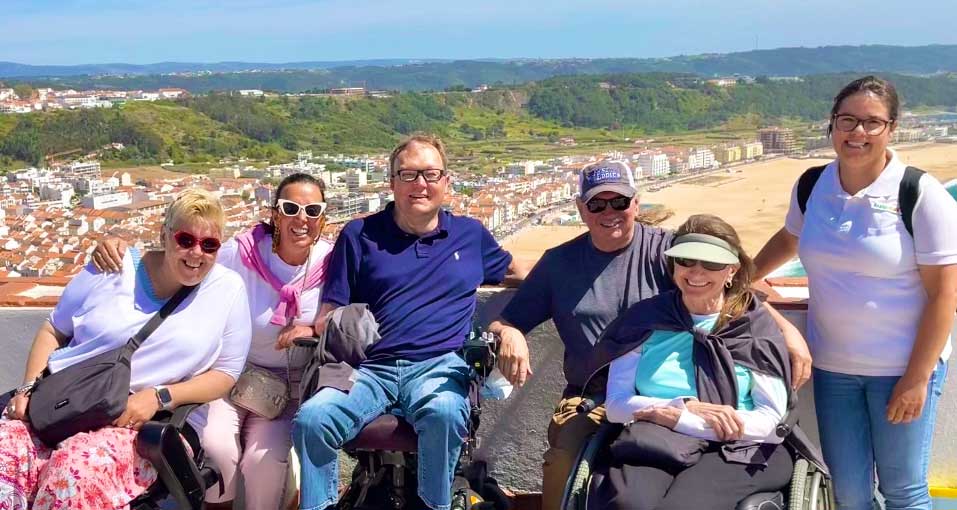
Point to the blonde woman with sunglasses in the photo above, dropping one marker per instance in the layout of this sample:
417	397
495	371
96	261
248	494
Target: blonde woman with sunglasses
194	356
282	264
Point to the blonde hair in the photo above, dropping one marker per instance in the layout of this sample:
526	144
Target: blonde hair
737	298
418	138
191	204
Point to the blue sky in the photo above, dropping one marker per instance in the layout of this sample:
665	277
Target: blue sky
137	31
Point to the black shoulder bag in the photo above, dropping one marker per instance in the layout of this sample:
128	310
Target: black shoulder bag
92	393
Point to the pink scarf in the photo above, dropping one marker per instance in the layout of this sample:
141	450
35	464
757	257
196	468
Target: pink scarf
289	293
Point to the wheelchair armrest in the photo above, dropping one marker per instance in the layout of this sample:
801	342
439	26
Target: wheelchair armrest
306	341
589	404
160	441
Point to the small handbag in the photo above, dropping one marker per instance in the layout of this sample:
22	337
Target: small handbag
93	393
649	444
260	392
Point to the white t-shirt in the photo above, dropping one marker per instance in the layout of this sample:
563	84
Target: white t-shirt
263	300
866	294
208	331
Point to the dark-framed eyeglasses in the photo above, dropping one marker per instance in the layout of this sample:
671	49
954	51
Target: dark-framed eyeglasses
186	241
429	174
290	208
846	122
709	266
597	205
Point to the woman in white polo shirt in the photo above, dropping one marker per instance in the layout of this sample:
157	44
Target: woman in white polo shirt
881	303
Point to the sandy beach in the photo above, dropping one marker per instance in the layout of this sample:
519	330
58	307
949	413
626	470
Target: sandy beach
754	199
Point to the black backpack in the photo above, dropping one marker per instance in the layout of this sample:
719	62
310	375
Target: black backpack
907	194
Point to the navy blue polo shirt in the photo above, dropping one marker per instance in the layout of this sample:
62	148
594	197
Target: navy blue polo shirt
421	289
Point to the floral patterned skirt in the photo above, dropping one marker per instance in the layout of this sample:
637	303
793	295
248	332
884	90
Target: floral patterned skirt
96	470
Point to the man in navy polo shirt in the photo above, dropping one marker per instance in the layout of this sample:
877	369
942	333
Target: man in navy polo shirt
417	267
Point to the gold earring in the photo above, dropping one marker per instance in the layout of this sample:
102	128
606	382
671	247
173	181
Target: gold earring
275	239
322	225
728	284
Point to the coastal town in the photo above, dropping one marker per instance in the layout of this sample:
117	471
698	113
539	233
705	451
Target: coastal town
52	217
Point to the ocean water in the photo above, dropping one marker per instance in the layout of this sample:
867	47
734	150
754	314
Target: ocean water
794	267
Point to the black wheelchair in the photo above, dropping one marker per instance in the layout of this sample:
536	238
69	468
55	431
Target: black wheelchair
809	489
385	450
184	476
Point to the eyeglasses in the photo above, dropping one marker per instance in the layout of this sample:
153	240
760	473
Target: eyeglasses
290	208
709	266
597	205
429	174
847	123
186	241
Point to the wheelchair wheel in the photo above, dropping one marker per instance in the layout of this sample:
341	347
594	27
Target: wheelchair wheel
576	489
810	489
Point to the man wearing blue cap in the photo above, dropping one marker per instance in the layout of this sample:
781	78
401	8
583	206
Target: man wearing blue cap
583	285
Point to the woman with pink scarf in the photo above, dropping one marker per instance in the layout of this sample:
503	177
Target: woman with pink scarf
282	264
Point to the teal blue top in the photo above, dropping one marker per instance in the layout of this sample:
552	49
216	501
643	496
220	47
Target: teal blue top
666	367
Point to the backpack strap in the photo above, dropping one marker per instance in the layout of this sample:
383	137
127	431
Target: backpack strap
806	184
907	196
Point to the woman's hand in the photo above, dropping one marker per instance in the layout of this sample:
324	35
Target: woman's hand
290	333
907	400
17	408
665	416
108	255
727	425
140	408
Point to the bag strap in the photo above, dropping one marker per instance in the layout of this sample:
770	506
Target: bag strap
907	196
806	184
159	317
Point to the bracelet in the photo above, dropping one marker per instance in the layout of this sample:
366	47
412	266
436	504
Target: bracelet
25	388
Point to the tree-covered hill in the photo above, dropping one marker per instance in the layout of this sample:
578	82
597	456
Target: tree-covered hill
502	121
441	75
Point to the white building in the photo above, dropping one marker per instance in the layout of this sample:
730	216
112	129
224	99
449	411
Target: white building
251	92
654	163
700	158
107	200
82	170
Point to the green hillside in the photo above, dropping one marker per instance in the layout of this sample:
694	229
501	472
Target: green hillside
600	112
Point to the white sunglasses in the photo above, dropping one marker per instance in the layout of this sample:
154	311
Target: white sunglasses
290	208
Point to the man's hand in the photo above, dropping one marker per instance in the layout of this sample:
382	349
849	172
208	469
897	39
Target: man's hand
665	416
140	408
108	255
800	357
725	421
513	357
907	400
290	333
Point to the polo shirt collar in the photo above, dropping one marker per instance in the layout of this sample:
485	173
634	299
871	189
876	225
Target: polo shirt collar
440	230
886	184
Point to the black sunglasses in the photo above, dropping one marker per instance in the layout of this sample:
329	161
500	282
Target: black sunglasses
597	205
709	266
186	241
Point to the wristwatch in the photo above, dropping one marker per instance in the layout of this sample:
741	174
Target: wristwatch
164	397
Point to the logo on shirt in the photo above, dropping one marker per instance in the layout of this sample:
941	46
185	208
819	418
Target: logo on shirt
885	204
456	255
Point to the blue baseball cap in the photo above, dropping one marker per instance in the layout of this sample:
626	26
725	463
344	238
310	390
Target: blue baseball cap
606	175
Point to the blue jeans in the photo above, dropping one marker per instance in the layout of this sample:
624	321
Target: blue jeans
856	436
432	396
